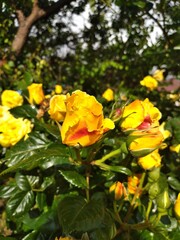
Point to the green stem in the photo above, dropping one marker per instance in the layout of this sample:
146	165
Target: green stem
88	185
116	212
78	155
107	156
148	209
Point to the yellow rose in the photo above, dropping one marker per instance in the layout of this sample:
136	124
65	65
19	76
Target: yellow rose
4	114
133	183
11	98
65	238
158	75
108	94
149	82
57	107
141	143
151	160
175	148
140	115
58	89
13	130
36	94
177	207
118	190
84	123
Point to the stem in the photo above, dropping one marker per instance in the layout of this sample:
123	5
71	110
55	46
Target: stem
107	156
78	155
87	181
148	209
118	218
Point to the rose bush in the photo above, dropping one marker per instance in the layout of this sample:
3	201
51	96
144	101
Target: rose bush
73	167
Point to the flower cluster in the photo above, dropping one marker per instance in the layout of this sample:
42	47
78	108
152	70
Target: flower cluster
12	129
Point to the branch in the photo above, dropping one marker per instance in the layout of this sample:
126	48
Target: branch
160	26
26	23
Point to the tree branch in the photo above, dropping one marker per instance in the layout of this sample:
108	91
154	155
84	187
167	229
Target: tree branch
26	23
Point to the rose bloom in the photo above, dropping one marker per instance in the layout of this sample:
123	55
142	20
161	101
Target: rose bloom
151	160
140	115
118	190
84	123
158	75
11	98
13	130
149	82
108	94
58	89
57	107
141	143
133	183
65	238
36	94
177	207
4	114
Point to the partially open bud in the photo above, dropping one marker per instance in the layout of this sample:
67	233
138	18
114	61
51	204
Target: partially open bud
163	201
118	190
141	143
133	184
150	161
177	207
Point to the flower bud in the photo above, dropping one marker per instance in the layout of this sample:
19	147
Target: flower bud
158	187
163	201
118	190
133	184
154	175
141	143
150	161
177	207
108	94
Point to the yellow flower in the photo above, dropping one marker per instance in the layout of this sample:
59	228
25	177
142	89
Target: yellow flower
13	130
58	89
177	207
11	98
151	160
36	94
84	123
158	75
118	190
165	133
175	148
133	183
57	107
149	82
140	115
108	94
141	143
4	114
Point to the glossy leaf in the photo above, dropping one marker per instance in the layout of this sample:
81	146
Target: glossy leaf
74	178
25	111
76	214
20	203
174	183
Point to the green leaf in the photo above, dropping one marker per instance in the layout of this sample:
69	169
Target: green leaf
34	152
8	191
41	200
76	214
26	183
24	111
20	203
174	183
74	178
31	236
119	169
